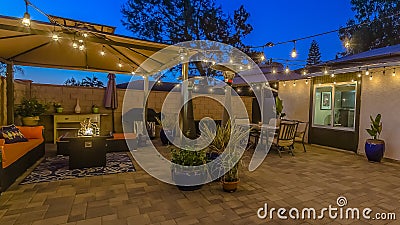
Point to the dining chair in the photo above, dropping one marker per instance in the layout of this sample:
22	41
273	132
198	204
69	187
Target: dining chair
286	136
301	133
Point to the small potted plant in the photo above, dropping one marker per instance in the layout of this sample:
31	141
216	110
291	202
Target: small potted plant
58	107
374	147
95	109
30	110
185	171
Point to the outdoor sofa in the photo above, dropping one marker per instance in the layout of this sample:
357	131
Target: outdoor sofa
16	158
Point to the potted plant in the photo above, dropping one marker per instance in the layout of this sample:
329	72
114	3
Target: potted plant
30	110
374	147
95	109
167	132
279	109
58	107
224	144
185	171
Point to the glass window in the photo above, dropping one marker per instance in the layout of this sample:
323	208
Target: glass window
323	106
338	100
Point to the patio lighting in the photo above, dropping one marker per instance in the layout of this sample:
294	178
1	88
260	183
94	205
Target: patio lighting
85	35
287	70
347	44
55	37
394	72
26	20
133	73
326	71
75	44
82	47
294	83
367	72
102	52
248	67
333	74
294	51
359	72
306	81
284	83
275	85
352	80
304	72
239	90
119	63
274	70
370	77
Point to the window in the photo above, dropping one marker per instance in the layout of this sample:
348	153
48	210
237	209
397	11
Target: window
335	105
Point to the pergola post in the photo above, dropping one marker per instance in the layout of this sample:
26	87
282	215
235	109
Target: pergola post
188	127
10	93
146	93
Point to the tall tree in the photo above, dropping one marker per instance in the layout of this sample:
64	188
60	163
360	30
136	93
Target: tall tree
85	82
314	55
176	21
3	69
376	25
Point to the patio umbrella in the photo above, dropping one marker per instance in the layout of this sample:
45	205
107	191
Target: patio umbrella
110	97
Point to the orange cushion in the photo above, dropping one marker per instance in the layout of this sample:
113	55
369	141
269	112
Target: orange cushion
32	132
2	142
123	136
12	152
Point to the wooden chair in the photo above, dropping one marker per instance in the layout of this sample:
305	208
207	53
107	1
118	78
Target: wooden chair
286	136
301	133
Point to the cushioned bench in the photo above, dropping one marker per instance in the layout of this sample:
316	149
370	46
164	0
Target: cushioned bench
18	157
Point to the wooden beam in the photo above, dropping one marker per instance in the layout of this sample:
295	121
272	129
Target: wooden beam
10	93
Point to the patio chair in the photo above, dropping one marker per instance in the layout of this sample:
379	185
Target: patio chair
301	133
285	137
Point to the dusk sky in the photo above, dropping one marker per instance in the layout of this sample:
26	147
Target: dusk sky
273	21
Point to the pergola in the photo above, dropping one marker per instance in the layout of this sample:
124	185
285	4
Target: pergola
76	45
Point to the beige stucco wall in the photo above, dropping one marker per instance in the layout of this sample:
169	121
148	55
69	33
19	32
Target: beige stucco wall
67	95
296	100
381	95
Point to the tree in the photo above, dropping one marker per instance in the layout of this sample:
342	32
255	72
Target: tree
3	69
314	55
376	25
85	82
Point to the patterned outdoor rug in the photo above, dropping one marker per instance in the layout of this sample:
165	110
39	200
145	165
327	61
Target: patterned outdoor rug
56	168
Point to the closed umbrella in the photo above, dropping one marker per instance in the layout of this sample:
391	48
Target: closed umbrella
110	97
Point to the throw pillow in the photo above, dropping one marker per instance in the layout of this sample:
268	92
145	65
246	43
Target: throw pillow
12	134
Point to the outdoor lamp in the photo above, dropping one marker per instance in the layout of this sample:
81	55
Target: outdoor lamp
26	21
55	37
294	51
287	70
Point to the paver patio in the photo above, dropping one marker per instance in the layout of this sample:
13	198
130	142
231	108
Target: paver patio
312	179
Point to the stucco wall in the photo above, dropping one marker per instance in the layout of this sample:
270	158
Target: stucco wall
67	95
381	95
296	100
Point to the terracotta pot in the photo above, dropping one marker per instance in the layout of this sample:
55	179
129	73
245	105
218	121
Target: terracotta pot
230	186
30	121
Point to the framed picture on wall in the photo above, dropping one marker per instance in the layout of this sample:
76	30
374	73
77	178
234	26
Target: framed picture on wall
326	100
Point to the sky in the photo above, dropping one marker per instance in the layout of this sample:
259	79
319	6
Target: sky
272	21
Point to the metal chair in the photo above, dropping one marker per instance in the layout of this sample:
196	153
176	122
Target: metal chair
301	133
286	136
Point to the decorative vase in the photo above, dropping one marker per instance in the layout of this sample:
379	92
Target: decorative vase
59	110
30	121
95	110
77	107
374	149
230	186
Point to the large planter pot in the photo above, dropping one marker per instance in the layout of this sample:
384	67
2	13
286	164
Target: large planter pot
186	178
166	135
374	149
30	121
230	186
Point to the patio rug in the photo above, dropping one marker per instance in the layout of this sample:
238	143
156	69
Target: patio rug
56	168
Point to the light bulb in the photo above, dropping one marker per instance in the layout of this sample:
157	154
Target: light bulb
287	70
334	82
294	53
241	67
367	72
248	67
26	21
133	73
359	74
284	83
85	35
55	37
82	47
304	72
75	44
370	78
159	81
307	81
262	57
239	90
102	53
294	84
274	71
119	65
326	71
394	72
347	44
231	61
275	85
332	75
352	80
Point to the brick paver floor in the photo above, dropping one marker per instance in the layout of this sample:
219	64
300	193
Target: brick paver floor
313	179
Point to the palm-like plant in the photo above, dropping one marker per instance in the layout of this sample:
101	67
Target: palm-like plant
376	127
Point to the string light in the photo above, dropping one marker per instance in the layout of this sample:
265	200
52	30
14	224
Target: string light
367	72
241	67
159	82
275	85
248	67
102	52
273	70
326	71
85	35
370	77
239	90
26	20
133	73
333	74
284	83
262	55
294	51
294	83
75	44
287	70
82	47
359	72
304	72
352	80
306	81
119	63
394	72
347	44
